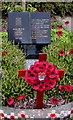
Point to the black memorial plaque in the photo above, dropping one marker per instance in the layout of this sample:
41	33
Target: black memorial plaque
29	28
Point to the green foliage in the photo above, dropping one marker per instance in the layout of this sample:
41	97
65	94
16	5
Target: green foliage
55	8
14	60
30	8
62	62
66	36
11	7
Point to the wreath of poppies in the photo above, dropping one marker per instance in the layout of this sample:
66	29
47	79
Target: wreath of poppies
42	75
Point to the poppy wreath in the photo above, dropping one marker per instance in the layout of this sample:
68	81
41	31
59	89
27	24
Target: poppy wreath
42	75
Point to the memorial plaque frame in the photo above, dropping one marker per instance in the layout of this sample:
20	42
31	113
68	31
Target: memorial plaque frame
32	30
29	28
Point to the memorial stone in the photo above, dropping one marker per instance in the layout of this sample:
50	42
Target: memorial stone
30	29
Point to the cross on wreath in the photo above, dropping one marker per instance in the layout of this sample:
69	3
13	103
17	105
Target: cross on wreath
41	76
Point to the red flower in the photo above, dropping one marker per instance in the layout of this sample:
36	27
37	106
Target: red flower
71	51
54	100
52	115
21	97
4	53
36	11
68	88
10	100
62	53
67	22
1	114
59	33
71	112
60	26
12	117
61	87
23	116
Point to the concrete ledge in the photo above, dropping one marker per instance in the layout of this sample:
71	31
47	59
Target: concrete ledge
38	113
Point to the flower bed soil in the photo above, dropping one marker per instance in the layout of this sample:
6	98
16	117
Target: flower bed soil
30	103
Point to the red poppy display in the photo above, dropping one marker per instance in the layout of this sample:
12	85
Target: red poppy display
21	97
59	33
42	75
10	100
62	53
68	88
54	100
71	51
60	26
4	53
67	22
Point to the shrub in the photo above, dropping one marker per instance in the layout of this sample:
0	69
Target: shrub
11	7
62	62
13	61
66	36
55	8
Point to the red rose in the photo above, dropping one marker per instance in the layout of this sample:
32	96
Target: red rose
60	26
54	100
71	51
59	33
68	88
62	53
67	22
21	97
10	100
4	53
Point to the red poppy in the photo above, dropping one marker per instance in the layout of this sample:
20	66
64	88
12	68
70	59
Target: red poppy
71	51
61	87
23	116
68	88
60	26
4	53
1	114
12	117
52	115
21	97
62	53
36	11
53	77
59	33
54	100
38	86
10	100
67	22
71	112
